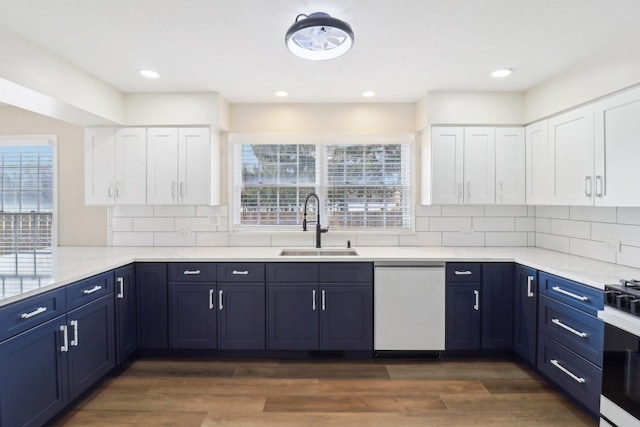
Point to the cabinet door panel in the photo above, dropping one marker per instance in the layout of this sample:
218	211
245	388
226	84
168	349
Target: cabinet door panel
194	169
571	138
525	313
192	315
242	316
99	166
617	151
446	165
510	166
126	321
162	166
479	165
152	310
463	319
539	169
292	317
497	306
131	166
346	317
92	354
33	376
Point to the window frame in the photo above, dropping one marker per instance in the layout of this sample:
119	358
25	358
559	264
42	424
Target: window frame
52	140
321	141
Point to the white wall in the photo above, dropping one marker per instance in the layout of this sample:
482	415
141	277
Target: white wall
474	108
77	224
175	109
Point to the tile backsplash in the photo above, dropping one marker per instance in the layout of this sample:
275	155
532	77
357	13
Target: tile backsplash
603	233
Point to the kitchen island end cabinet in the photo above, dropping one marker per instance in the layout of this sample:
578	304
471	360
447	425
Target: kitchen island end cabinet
152	294
320	306
479	306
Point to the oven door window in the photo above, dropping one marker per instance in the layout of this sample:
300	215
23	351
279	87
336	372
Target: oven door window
621	369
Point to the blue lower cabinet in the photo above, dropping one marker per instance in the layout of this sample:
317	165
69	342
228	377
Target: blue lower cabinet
525	310
241	316
292	316
462	330
33	375
126	312
577	376
152	306
346	317
497	306
192	315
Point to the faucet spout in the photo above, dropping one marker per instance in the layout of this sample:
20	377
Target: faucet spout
319	229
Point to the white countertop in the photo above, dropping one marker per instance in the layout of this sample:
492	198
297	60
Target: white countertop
69	264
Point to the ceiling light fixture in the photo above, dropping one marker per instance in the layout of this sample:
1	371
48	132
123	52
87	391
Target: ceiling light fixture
150	74
368	94
281	93
503	72
318	37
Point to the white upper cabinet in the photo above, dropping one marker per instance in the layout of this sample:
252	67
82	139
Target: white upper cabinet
617	150
115	166
462	165
446	165
479	165
179	166
510	166
571	141
539	164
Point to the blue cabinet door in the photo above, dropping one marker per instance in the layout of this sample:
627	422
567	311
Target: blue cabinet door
91	344
497	306
292	316
463	318
525	313
241	316
346	316
151	282
33	376
192	315
125	312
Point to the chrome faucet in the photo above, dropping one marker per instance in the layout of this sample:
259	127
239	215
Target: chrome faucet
319	229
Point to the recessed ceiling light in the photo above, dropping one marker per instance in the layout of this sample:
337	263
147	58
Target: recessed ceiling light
368	94
150	74
281	93
503	72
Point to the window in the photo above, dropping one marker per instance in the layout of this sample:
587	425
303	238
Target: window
26	204
362	182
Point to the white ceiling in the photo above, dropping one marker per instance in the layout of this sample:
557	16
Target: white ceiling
402	50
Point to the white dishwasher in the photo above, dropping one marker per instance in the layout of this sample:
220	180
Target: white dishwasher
409	306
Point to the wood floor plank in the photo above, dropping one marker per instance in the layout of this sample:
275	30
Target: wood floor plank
400	387
112	418
316	369
194	368
516	386
460	370
504	403
330	404
235	386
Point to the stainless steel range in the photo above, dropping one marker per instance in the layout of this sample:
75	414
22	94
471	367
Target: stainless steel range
620	399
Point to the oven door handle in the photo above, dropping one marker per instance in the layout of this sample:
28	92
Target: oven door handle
570	374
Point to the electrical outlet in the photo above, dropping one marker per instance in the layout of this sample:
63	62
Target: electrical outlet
612	244
214	219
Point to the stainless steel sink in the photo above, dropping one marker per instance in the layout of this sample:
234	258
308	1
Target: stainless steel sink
318	252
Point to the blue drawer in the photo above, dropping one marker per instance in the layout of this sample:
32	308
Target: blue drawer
346	272
572	293
88	290
464	272
31	312
575	329
578	377
243	272
292	272
192	272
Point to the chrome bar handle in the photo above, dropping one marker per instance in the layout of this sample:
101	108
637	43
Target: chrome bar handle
476	306
570	294
569	328
191	272
118	189
74	341
110	190
240	273
96	288
588	187
459	190
65	339
313	301
599	189
462	273
578	379
211	299
220	299
324	302
120	294
530	280
33	313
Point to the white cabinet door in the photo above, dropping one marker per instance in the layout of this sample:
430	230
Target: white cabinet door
571	139
539	164
131	166
510	166
162	166
479	165
99	166
617	148
194	169
447	165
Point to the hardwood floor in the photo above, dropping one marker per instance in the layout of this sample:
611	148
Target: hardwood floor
325	393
